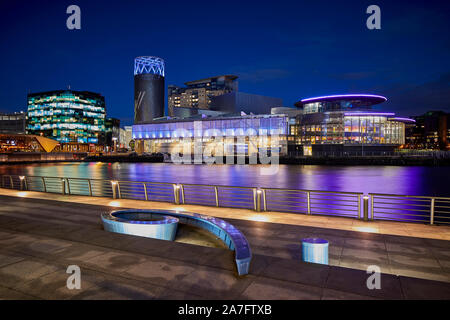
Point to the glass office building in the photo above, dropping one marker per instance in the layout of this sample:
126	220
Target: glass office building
67	116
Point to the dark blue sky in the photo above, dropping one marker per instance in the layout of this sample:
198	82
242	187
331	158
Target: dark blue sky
286	49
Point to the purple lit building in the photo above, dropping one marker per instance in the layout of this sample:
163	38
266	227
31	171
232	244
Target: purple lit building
346	125
333	125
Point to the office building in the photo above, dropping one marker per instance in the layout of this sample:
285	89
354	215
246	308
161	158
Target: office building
13	123
216	96
112	133
430	131
186	101
76	119
126	135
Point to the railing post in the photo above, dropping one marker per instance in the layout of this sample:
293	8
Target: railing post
145	191
22	179
257	192
366	208
176	193
113	186
432	211
11	182
182	194
216	192
118	190
90	187
68	185
63	186
308	195
264	199
371	207
43	183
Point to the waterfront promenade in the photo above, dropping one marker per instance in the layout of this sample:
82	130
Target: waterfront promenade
41	234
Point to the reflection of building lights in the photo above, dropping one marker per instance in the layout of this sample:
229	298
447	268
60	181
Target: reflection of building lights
21	194
179	209
114	204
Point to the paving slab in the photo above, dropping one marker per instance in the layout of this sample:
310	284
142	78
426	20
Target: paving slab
35	252
355	281
271	289
15	274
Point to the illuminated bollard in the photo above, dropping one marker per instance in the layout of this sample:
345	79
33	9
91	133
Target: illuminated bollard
315	250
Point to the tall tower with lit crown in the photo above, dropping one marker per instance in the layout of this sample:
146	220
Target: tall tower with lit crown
148	89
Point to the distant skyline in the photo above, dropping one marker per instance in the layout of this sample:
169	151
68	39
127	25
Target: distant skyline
286	49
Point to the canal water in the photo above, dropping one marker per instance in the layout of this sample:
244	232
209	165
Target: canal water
408	180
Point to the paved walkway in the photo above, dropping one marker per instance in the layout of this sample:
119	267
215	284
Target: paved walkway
40	238
336	223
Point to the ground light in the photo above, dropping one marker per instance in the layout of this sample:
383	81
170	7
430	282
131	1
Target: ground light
259	217
366	229
114	204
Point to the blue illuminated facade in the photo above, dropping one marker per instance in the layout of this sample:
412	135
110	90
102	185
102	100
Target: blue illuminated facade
207	127
235	132
67	116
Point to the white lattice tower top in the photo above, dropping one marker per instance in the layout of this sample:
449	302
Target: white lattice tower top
152	65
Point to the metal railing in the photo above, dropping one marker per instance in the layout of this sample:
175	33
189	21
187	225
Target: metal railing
433	210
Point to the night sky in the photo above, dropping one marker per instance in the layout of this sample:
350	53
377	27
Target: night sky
286	49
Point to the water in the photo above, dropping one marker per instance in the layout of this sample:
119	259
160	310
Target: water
429	181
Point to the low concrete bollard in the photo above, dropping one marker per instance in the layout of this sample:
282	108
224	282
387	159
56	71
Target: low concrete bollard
315	250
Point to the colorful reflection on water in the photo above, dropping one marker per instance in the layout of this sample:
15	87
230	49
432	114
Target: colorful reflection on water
431	181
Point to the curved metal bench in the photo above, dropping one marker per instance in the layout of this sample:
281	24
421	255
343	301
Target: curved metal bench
225	231
154	225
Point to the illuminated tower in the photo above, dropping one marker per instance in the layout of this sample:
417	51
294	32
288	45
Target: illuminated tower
148	89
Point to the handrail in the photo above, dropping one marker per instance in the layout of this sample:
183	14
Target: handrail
318	191
382	206
407	196
406	208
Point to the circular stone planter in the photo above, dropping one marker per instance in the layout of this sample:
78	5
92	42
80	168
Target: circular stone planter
150	225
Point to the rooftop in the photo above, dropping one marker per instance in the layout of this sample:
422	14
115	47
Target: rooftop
359	99
209	79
